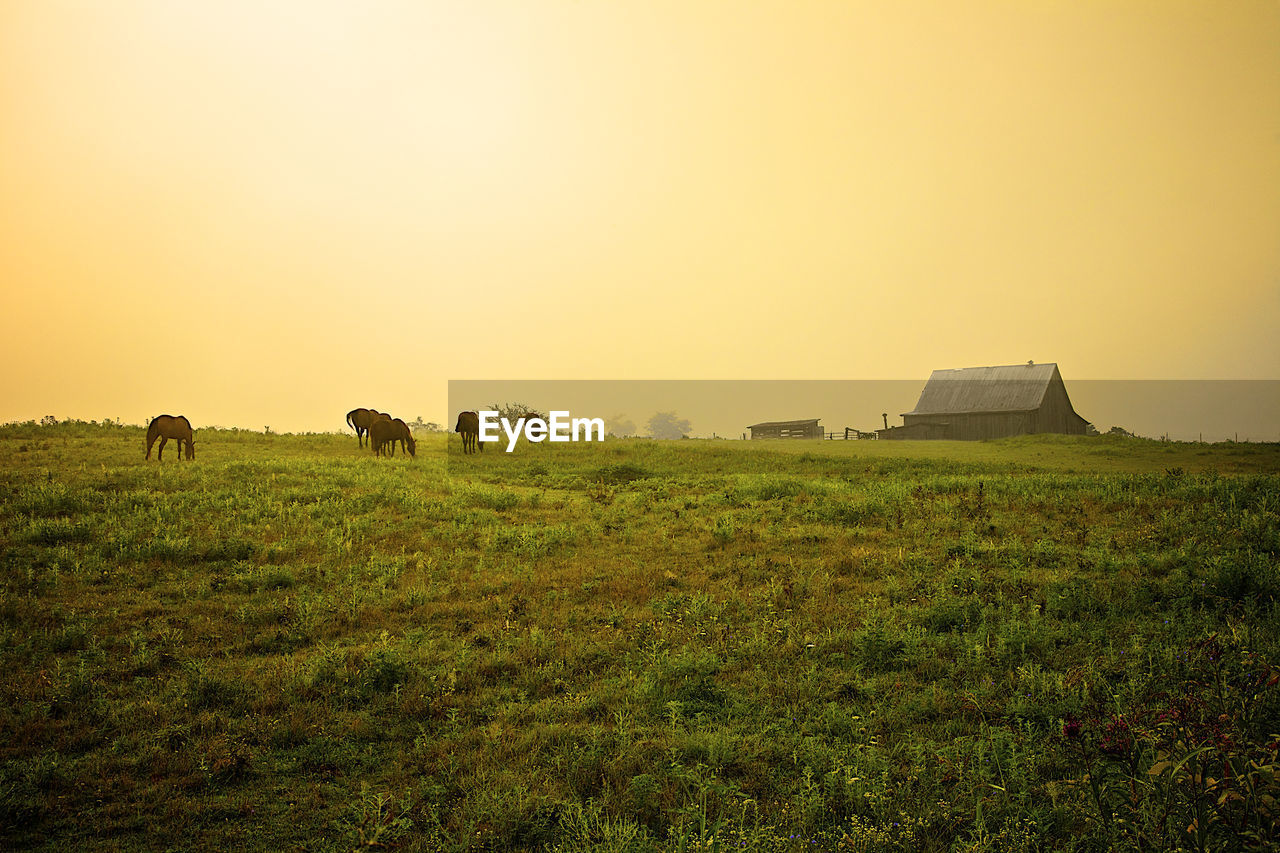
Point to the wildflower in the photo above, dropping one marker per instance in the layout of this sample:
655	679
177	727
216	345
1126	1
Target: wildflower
1116	738
1071	728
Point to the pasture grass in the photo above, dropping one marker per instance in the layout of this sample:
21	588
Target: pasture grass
1043	643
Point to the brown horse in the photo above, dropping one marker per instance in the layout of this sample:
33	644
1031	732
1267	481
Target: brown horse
385	432
165	427
359	420
400	432
405	436
469	425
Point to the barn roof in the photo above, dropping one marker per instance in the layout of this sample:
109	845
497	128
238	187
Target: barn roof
793	424
1006	388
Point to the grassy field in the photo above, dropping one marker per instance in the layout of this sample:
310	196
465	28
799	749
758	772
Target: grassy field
1034	644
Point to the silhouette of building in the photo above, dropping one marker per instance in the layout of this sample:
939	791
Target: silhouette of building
990	402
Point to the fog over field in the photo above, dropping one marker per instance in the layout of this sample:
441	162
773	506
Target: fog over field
264	214
1181	410
257	216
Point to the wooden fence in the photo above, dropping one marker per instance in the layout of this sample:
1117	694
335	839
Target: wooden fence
850	434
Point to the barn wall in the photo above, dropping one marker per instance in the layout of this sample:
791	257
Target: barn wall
976	426
799	431
979	426
916	431
1056	413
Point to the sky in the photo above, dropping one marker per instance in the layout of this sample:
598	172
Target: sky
266	213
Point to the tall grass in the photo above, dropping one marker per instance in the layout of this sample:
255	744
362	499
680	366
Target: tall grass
1042	643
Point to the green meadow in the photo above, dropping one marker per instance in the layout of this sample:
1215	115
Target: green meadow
1044	643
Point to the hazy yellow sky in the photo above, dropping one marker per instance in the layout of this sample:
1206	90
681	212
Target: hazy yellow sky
271	212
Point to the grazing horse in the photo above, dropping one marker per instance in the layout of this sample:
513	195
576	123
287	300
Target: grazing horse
405	436
469	425
385	432
165	427
399	431
359	420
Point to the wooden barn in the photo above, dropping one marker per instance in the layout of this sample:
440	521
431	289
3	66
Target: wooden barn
787	429
991	402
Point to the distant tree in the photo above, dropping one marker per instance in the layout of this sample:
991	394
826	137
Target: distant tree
48	420
620	426
667	425
419	425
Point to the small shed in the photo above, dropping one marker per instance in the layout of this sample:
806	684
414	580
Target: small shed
786	429
975	403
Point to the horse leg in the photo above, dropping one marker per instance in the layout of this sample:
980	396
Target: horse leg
164	439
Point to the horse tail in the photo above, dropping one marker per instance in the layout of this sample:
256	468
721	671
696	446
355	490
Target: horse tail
349	423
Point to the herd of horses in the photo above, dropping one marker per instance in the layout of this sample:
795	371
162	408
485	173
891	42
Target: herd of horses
381	431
